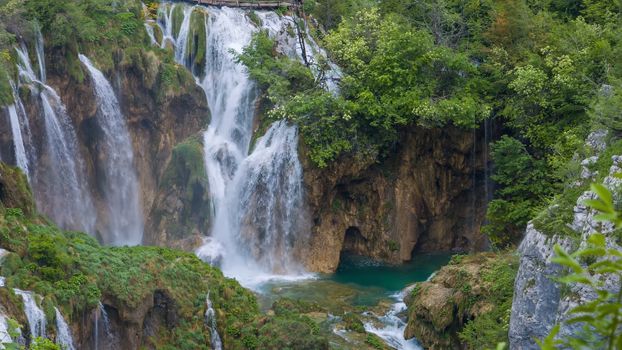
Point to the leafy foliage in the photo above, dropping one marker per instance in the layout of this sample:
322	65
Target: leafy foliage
524	181
488	329
393	76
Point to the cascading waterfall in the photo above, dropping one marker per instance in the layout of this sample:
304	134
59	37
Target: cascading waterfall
257	197
16	130
34	314
125	221
58	180
210	321
63	336
267	198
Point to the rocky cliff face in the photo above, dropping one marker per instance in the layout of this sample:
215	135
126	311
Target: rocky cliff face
539	302
158	118
428	195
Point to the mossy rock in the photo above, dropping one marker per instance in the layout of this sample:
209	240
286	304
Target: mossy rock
352	322
157	33
183	204
14	190
177	18
195	55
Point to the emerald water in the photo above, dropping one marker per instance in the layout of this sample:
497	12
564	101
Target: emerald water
368	288
358	282
366	273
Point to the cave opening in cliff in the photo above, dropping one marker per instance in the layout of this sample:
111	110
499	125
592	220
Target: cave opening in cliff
353	247
352	240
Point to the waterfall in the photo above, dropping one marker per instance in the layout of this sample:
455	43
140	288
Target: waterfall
63	336
16	130
101	313
210	321
34	314
122	191
40	54
165	21
149	25
266	198
256	196
151	34
58	179
182	37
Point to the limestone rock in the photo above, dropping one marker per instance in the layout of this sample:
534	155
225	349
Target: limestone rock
428	195
538	302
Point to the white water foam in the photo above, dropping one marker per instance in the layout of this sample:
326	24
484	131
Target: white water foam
393	326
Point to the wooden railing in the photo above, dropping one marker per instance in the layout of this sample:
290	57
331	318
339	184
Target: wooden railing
265	4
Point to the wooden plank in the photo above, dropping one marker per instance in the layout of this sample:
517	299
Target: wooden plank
244	4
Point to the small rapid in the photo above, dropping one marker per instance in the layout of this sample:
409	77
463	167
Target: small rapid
390	326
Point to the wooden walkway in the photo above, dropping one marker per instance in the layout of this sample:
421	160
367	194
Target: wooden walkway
246	3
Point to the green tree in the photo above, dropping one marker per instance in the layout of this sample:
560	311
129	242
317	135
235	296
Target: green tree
523	184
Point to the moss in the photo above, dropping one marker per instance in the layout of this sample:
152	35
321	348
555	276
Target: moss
475	307
6	93
157	33
197	40
393	246
375	341
186	180
14	191
353	323
177	19
254	18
